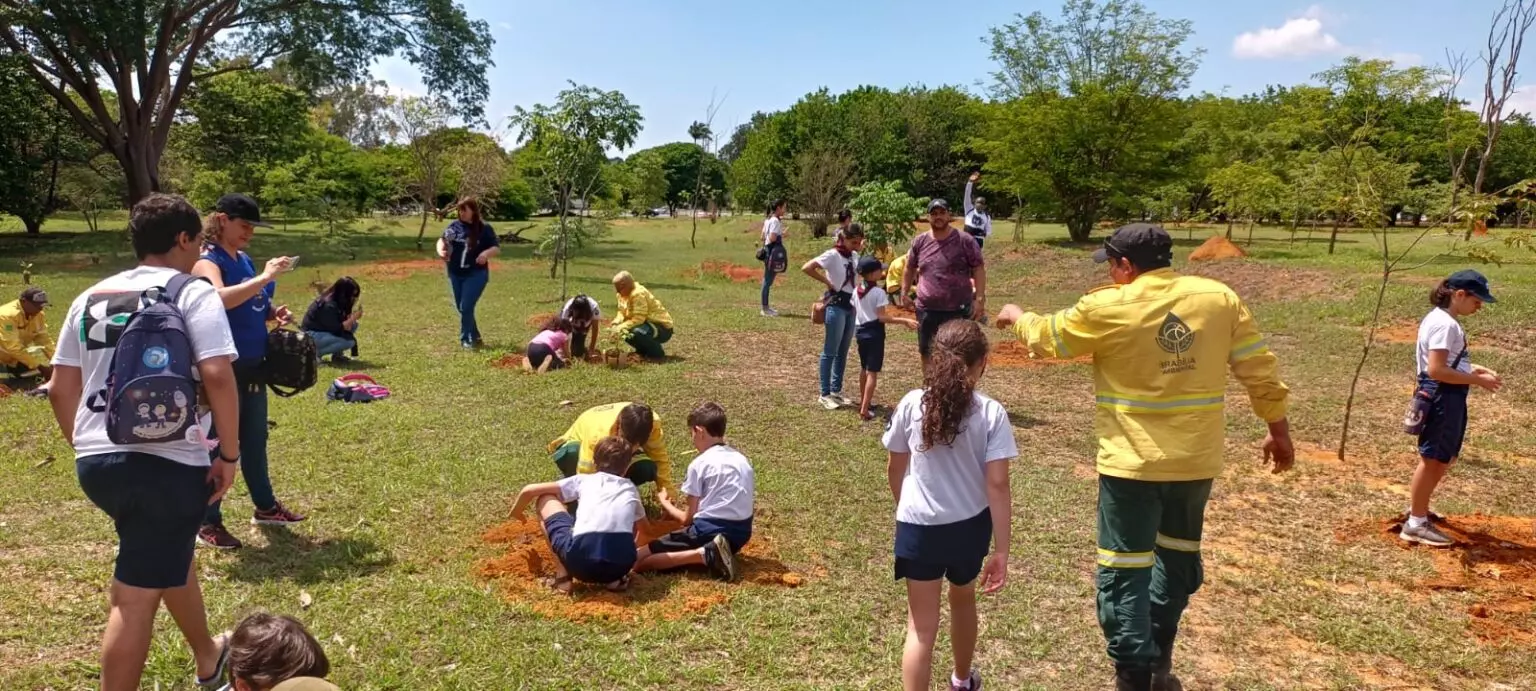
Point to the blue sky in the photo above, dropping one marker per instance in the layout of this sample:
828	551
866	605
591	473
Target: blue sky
668	56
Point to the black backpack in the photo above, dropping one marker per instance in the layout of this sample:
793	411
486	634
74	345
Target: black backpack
292	362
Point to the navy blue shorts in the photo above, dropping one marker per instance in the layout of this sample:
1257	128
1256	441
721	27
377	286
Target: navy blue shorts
871	348
954	551
590	558
702	532
156	505
1445	426
538	353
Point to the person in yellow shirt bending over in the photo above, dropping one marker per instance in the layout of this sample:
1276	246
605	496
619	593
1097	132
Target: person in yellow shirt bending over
24	341
634	423
1162	344
643	322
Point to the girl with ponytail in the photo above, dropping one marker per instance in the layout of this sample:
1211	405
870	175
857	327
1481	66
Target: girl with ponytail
949	450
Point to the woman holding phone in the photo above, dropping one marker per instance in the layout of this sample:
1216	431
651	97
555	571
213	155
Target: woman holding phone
467	246
247	297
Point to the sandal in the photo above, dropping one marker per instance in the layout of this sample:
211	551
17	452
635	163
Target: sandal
217	679
559	584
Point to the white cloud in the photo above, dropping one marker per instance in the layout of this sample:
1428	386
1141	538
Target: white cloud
504	26
400	77
1523	100
1296	38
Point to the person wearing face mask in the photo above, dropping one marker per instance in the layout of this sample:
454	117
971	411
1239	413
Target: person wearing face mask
1161	344
247	297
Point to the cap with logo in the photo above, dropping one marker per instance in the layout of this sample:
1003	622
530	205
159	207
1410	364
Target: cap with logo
938	204
1472	282
242	207
1148	246
868	265
35	295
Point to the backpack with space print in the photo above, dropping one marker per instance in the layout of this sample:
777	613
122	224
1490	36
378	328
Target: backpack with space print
150	394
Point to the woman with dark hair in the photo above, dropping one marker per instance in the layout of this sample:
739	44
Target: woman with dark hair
837	269
332	319
467	246
775	258
582	313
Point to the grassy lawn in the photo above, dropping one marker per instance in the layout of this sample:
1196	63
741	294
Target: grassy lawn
1303	587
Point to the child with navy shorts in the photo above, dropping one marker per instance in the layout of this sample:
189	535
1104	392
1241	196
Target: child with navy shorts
1445	376
597	546
949	451
870	318
721	489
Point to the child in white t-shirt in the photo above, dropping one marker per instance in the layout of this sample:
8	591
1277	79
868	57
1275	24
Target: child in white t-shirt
721	489
949	451
597	546
1445	376
870	318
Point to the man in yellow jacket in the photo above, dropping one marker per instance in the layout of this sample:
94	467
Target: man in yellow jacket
642	321
1162	344
633	422
24	341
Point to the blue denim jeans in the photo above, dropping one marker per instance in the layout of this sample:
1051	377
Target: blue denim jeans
331	344
253	445
834	351
467	289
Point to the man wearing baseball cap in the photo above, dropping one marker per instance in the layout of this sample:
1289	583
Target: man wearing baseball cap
1162	344
950	274
25	345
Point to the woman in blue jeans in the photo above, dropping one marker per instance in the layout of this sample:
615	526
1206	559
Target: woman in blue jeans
775	258
331	320
837	268
467	246
247	298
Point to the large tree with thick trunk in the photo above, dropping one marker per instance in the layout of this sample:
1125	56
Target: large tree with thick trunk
149	54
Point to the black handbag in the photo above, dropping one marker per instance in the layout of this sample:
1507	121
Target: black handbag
292	362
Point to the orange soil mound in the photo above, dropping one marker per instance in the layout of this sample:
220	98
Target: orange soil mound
538	320
402	269
1495	558
735	272
4	391
902	311
1015	354
525	559
508	361
1398	333
1218	247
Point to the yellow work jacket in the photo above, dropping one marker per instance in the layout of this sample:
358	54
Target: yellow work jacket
603	421
640	307
1161	348
24	340
894	272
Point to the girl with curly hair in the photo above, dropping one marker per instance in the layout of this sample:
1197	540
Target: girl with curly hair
949	451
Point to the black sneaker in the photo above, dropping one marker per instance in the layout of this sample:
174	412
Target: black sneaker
216	536
719	558
340	359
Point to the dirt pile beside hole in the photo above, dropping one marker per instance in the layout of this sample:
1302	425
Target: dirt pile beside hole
735	272
1012	353
1396	334
512	359
1218	247
1494	558
538	320
401	269
525	559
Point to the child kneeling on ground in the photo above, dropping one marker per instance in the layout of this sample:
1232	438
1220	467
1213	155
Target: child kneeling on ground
268	652
721	488
597	545
870	318
551	348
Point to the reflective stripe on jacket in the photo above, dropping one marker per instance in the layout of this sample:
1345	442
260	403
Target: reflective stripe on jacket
1161	348
641	307
24	340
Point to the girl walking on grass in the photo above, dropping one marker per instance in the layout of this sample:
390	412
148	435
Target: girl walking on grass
949	451
1445	376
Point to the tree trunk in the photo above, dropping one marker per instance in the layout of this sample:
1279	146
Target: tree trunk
1250	232
1080	223
1365	354
1334	237
422	233
1229	227
34	225
141	165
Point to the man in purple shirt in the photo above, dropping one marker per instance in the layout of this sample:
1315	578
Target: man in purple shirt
951	276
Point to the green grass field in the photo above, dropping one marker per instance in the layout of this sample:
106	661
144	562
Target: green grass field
1303	589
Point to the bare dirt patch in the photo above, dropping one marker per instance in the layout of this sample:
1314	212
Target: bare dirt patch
539	319
735	272
525	559
1255	281
401	269
1015	354
1216	248
1397	334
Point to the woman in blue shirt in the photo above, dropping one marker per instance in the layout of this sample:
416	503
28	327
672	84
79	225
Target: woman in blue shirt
247	297
467	246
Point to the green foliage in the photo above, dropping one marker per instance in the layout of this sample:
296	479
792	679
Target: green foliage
1247	191
246	122
886	212
680	164
35	138
514	201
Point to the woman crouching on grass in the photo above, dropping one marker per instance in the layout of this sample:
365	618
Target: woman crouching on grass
949	451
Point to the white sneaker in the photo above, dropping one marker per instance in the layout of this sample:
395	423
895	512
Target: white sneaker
769	312
841	399
1426	534
828	402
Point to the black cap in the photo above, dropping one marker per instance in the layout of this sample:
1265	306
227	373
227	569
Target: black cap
938	204
1472	282
34	295
868	265
1146	245
242	207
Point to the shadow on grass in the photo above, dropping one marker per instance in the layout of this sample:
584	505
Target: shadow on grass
1022	421
352	365
289	556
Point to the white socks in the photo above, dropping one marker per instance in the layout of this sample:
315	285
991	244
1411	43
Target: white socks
962	683
1417	521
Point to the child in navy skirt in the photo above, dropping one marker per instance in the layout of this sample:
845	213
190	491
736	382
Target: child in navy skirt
1445	376
870	317
949	451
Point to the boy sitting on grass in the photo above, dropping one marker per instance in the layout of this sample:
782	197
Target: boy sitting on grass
598	545
720	487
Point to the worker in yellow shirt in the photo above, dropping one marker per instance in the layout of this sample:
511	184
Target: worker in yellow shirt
1162	344
642	322
633	422
25	345
893	274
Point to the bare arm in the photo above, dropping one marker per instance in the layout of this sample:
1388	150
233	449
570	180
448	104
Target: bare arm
896	472
64	391
485	257
885	316
1000	504
814	270
530	493
218	375
1440	371
236	295
979	276
442	249
906	279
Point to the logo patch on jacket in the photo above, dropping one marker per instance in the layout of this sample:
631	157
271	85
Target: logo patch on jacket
1176	338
